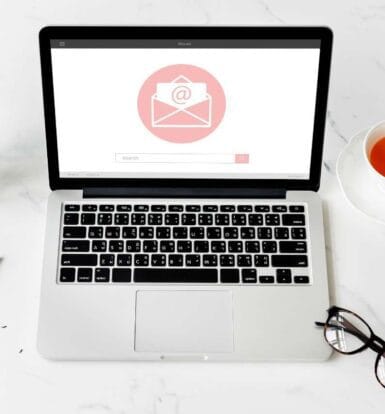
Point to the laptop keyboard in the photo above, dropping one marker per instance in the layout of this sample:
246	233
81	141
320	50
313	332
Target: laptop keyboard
210	243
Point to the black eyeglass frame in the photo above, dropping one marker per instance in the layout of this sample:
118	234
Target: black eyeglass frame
373	342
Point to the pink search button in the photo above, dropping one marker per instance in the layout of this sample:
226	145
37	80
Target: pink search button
241	158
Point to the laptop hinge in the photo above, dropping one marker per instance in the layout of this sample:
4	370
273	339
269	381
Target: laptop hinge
179	192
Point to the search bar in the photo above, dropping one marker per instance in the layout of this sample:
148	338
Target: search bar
182	158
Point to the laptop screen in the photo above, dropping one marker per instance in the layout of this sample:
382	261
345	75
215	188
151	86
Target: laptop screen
185	109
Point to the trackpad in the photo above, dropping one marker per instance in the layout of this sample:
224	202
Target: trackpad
199	321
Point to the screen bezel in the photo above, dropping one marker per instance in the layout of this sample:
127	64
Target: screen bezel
323	34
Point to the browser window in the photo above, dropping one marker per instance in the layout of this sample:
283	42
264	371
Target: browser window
191	109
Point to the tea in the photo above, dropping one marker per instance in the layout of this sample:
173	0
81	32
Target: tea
377	156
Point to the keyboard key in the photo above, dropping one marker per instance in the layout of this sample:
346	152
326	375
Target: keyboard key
244	260
89	207
261	260
121	219
132	246
116	246
210	208
99	245
67	275
158	207
72	207
163	232
229	275
293	219
123	207
175	207
138	219
121	275
129	233
298	233
155	219
261	209
289	261
188	219
235	246
269	247
102	275
167	246
238	219
106	207
279	209
227	208
74	232
247	233
193	207
158	260
210	260
266	279
301	279
193	260
205	219
264	233
85	274
107	260
227	260
230	233
179	232
218	246
201	246
171	219
175	260
197	232
255	219
249	276
95	232
222	219
214	232
296	209
292	247
281	233
166	275
76	245
150	246
146	232
184	246
283	275
79	259
245	208
252	247
88	218
272	220
141	207
124	260
71	218
112	232
105	219
141	259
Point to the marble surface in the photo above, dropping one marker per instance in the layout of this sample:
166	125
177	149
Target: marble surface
355	243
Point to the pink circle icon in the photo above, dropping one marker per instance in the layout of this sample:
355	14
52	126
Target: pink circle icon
181	103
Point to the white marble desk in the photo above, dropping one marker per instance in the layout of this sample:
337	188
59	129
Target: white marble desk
355	244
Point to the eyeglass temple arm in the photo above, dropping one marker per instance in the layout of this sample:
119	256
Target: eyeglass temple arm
373	343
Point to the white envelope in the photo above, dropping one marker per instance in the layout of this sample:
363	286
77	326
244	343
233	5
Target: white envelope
181	104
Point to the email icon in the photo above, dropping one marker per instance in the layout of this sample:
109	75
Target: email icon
181	103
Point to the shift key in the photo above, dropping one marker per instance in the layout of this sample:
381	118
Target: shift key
79	259
291	260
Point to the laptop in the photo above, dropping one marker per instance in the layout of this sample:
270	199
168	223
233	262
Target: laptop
184	221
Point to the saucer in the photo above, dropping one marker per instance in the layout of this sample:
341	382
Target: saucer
358	186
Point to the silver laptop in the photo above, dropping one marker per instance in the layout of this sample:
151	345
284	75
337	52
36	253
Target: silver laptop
184	221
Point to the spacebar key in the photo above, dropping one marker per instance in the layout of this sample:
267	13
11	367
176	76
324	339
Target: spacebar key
151	275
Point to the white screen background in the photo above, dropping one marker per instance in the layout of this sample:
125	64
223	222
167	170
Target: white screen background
270	105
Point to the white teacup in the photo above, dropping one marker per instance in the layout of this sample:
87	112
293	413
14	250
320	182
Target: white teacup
371	138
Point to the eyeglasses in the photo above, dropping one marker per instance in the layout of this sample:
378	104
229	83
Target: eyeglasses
348	333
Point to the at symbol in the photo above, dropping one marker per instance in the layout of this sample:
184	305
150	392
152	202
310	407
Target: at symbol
181	94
